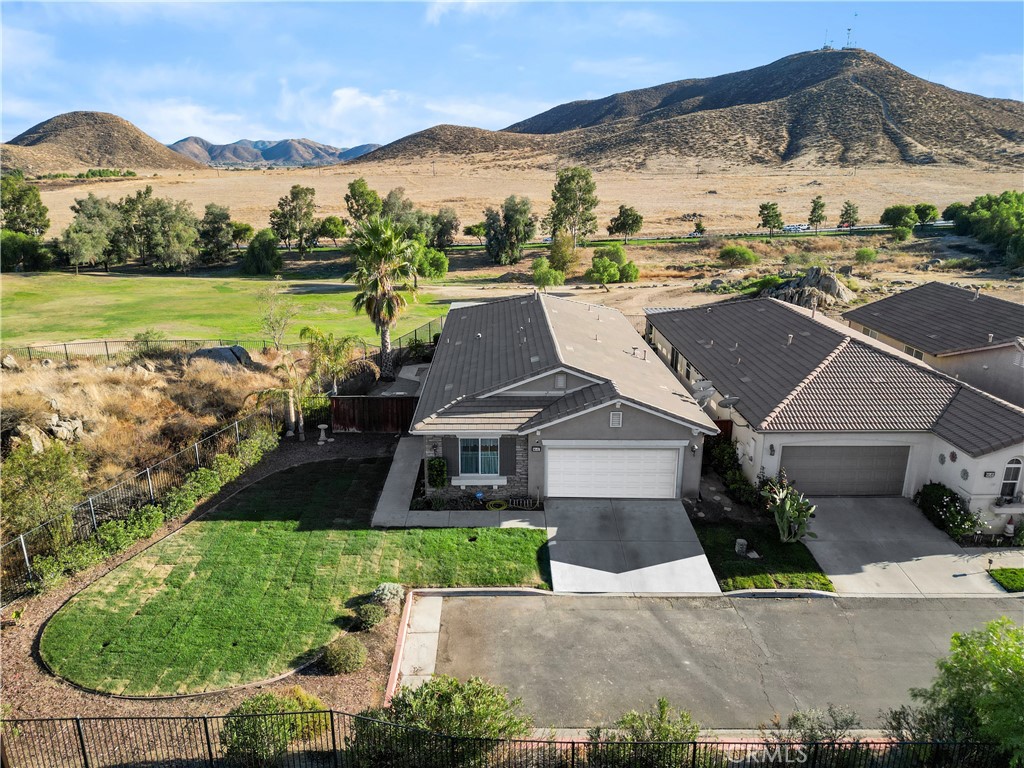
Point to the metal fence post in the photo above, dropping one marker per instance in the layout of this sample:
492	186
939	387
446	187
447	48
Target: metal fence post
92	514
24	552
209	741
334	742
693	758
106	349
81	742
198	463
238	437
149	479
29	353
67	355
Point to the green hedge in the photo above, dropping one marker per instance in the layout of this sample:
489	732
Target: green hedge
947	510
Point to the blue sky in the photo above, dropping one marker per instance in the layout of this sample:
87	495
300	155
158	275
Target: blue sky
352	73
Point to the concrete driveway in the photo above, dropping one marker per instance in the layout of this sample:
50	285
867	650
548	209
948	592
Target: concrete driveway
887	547
625	545
578	661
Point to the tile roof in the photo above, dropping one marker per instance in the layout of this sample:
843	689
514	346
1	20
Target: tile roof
489	346
942	319
829	379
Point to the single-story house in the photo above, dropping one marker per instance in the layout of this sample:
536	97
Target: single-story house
972	337
845	415
547	397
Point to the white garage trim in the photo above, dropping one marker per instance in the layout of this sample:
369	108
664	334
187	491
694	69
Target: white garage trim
613	468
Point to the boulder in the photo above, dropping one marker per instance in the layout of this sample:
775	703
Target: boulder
47	363
9	363
33	435
846	271
816	287
362	377
228	355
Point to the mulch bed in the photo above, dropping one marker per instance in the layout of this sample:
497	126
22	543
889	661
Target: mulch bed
29	691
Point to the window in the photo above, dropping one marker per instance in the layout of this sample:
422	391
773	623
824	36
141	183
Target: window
689	371
615	419
478	456
559	381
673	359
913	352
1011	479
870	333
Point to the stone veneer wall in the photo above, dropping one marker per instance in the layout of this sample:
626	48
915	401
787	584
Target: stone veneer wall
517	486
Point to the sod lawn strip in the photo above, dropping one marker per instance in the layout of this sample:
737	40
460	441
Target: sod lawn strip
1010	579
262	582
780	566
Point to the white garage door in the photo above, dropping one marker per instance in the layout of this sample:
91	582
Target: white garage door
846	470
615	473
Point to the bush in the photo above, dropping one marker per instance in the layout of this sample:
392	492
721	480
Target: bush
18	249
389	595
830	726
51	571
947	510
263	440
432	264
629	273
370	615
900	234
198	485
33	485
310	724
602	271
634	740
345	655
437	472
965	264
865	256
227	467
255	742
614	253
737	256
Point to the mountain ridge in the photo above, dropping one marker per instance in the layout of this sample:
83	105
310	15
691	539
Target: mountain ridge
280	153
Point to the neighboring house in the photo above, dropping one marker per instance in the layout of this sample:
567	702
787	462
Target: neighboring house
974	338
844	414
541	396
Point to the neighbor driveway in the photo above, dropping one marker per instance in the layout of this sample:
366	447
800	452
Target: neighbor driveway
625	545
887	547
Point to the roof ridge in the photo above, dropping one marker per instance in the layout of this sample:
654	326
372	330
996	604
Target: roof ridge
803	384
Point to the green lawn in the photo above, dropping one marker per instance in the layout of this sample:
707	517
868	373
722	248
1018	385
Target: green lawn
57	306
783	566
1011	579
250	590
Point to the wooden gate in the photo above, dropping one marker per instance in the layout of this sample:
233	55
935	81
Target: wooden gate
359	413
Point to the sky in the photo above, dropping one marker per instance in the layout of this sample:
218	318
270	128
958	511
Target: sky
354	73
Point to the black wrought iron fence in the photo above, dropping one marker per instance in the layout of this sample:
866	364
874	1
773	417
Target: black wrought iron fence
322	739
116	350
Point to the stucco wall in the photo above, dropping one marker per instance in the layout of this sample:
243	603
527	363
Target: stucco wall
546	385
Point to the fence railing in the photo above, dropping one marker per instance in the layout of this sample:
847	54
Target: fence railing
316	739
118	502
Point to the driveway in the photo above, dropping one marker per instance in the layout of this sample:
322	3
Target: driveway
578	661
887	547
625	545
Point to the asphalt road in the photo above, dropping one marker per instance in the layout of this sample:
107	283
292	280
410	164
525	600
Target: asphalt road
580	661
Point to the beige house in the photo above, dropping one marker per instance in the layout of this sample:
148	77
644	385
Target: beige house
844	414
974	338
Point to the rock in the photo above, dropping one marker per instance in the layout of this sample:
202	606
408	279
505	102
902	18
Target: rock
47	363
716	283
816	287
67	430
138	370
54	405
33	435
846	271
362	377
9	363
52	420
228	355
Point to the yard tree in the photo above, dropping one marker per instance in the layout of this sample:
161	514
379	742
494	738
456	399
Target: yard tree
294	219
953	212
262	256
817	215
769	217
34	485
573	201
215	234
334	228
561	255
926	213
129	238
21	208
544	275
329	358
507	231
478	231
87	238
276	311
626	222
171	233
602	271
899	216
445	228
20	250
849	216
241	233
383	276
361	201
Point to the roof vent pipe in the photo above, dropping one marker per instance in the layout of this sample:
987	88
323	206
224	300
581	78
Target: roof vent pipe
814	308
977	293
789	339
634	351
990	337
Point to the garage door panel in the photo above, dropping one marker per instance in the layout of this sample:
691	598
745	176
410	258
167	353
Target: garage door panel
846	470
612	473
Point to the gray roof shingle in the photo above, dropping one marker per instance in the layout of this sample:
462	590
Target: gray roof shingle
825	380
942	319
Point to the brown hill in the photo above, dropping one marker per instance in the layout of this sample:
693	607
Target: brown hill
285	153
828	107
77	141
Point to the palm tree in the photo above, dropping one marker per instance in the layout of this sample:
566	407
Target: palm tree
383	275
329	358
298	385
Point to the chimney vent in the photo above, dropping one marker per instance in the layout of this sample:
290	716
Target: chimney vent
990	337
789	339
977	293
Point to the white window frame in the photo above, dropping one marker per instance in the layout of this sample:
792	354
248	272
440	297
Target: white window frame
615	419
871	334
1014	463
917	354
497	442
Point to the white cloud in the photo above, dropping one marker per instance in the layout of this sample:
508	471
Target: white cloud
437	9
995	75
485	114
627	67
168	120
26	51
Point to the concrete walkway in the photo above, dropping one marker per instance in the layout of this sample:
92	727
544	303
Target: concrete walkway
886	547
625	545
393	505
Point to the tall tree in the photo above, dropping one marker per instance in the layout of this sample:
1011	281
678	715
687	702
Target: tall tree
926	213
334	228
508	230
849	216
445	228
817	215
329	358
361	201
479	231
627	222
87	238
769	217
384	276
544	275
21	208
171	233
215	233
262	256
561	255
128	241
294	219
573	201
899	216
241	233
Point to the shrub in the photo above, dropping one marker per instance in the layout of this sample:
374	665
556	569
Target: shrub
614	253
965	264
370	615
629	273
602	271
345	655
737	256
113	537
865	255
33	485
259	741
432	264
792	512
227	468
947	510
634	740
900	234
437	472
310	724
389	595
263	440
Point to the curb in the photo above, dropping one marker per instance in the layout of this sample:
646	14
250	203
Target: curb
396	658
